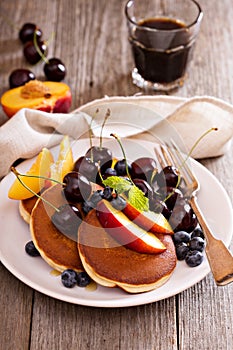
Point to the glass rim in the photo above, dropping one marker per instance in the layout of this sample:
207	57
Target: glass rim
197	20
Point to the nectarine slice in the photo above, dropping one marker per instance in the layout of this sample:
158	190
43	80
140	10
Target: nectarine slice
65	162
148	220
127	233
46	96
40	167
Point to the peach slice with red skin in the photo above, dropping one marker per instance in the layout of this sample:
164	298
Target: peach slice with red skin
148	220
125	232
48	96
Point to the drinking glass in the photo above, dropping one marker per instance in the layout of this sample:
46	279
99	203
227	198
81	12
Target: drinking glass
162	34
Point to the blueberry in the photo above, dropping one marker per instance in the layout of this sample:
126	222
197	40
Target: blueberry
197	243
197	233
181	236
69	278
194	258
31	249
87	206
118	203
83	279
182	250
107	193
96	197
120	167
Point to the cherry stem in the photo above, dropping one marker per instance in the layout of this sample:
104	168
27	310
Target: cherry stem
91	134
189	155
107	115
18	175
124	155
43	57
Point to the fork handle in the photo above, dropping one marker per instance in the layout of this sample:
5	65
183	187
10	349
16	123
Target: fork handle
219	257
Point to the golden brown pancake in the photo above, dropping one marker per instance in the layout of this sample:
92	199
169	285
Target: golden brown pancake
111	264
26	206
58	250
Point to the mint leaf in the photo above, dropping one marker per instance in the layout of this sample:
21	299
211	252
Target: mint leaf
119	184
137	198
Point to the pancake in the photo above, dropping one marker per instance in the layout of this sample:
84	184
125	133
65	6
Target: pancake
58	250
111	264
25	208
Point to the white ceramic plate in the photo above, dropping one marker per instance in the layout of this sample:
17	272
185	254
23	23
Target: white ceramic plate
34	272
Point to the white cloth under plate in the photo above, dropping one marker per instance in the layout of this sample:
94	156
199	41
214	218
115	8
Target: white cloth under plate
157	118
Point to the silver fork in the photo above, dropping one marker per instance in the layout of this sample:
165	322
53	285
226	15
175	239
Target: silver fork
219	257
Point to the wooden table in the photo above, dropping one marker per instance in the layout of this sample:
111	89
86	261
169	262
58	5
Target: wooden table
91	38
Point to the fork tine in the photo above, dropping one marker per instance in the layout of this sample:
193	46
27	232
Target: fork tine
183	160
161	156
219	256
180	162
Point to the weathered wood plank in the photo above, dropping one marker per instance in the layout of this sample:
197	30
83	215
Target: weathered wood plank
16	300
91	38
56	324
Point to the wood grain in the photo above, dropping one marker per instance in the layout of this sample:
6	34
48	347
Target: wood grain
91	38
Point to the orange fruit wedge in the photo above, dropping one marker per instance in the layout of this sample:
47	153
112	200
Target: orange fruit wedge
64	163
41	167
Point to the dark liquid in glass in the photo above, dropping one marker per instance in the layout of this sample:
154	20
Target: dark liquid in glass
162	57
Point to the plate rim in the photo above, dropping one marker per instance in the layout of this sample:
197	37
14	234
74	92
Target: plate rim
118	302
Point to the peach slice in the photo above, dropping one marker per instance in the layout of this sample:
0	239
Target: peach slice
40	167
64	163
46	96
148	220
127	233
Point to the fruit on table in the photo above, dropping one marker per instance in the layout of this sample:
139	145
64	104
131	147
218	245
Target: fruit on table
54	69
27	32
148	220
144	168
101	155
121	167
189	246
64	163
183	217
19	77
76	187
31	250
168	176
144	186
67	220
33	53
45	96
127	233
41	167
87	167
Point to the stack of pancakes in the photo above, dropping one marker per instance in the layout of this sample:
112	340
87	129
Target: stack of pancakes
94	251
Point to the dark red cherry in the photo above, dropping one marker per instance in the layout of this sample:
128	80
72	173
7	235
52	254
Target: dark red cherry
183	218
170	195
101	155
159	206
77	187
86	167
144	187
31	53
27	32
55	69
144	168
20	77
168	176
67	220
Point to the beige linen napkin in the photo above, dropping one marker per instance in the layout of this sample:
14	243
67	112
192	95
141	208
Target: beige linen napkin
155	118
